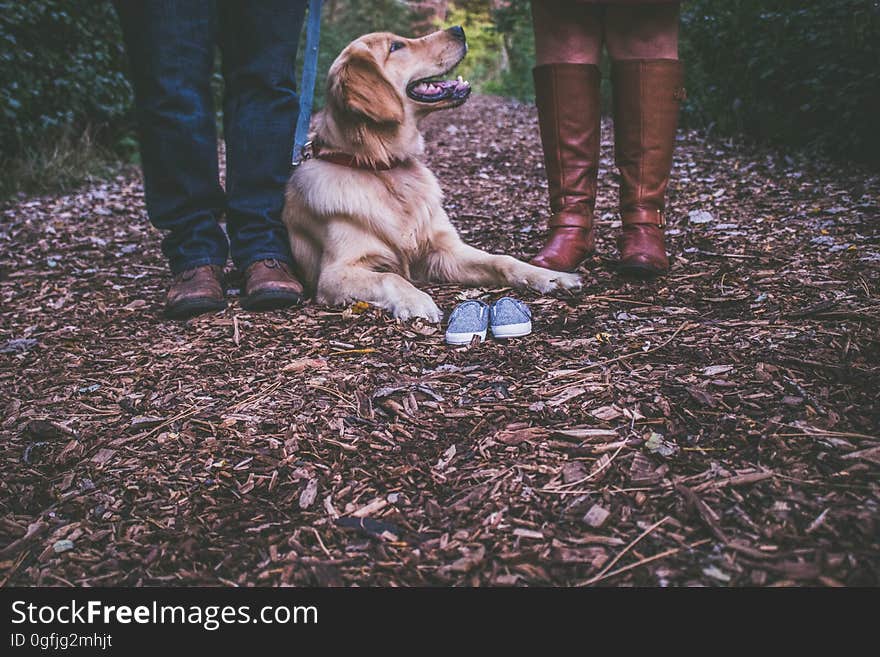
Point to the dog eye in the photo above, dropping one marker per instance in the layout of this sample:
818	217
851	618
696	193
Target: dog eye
397	45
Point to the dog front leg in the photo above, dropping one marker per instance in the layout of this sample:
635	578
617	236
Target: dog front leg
340	284
456	262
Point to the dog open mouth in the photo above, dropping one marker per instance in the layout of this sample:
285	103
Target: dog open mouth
434	91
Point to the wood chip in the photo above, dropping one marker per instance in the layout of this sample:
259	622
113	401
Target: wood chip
596	516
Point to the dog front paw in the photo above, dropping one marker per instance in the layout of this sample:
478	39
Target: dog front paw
548	280
565	281
421	305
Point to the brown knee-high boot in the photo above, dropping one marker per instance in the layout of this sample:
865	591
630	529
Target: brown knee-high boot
647	94
567	96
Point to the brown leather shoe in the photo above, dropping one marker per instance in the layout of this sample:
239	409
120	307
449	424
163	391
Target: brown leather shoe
647	95
567	96
194	292
269	284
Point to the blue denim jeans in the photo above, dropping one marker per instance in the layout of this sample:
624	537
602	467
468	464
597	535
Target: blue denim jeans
171	46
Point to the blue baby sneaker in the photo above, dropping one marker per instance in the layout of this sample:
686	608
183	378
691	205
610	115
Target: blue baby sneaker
510	318
467	320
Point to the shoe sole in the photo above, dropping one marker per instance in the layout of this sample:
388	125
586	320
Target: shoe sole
194	307
464	338
512	330
271	301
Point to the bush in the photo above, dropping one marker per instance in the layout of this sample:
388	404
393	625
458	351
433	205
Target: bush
61	70
514	23
798	72
792	72
788	72
500	47
345	20
65	100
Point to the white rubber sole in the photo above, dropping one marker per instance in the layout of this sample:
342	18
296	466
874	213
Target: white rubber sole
512	330
464	338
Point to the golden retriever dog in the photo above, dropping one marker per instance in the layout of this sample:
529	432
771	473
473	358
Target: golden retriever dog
364	214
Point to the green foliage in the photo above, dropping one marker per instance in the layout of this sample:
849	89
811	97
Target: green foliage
500	47
514	23
345	20
799	72
793	72
63	162
484	62
61	69
65	100
787	72
62	63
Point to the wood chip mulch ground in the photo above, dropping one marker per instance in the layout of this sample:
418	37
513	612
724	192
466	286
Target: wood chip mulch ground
716	427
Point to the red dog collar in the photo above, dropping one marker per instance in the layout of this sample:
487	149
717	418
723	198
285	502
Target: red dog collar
353	162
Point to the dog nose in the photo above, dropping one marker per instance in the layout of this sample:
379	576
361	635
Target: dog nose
458	32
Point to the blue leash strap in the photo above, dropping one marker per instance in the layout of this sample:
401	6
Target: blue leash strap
301	144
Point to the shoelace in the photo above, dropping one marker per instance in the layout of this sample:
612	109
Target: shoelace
272	263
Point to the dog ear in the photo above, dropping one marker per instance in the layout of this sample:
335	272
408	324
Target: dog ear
360	87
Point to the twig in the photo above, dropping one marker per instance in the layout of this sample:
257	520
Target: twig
737	480
632	302
711	520
469	490
736	256
14	569
191	411
347	447
646	560
272	387
587	478
33	531
368	350
836	434
335	394
321	543
619	358
629	547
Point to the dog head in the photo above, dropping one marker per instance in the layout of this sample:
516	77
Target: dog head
385	79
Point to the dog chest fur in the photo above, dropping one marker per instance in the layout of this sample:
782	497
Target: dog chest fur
389	211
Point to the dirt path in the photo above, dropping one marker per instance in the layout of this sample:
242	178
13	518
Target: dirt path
725	417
